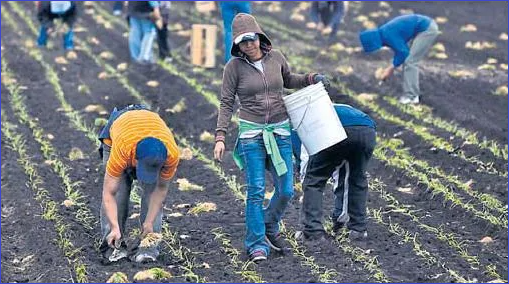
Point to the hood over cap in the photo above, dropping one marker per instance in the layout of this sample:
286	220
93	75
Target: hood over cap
246	23
370	40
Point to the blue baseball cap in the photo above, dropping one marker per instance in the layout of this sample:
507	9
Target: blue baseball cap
151	155
370	40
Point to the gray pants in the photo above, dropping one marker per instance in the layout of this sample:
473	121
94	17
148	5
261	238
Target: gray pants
420	46
122	198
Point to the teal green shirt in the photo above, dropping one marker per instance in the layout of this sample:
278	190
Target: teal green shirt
268	139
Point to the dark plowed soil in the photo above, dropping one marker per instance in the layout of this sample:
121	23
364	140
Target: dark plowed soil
405	247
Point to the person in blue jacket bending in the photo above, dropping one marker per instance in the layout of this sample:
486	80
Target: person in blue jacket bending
395	34
346	162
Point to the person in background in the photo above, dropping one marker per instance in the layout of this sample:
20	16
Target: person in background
228	10
257	75
395	34
118	6
135	144
162	33
346	162
326	17
48	11
143	18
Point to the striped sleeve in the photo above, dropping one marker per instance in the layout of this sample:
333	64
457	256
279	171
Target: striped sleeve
170	167
117	162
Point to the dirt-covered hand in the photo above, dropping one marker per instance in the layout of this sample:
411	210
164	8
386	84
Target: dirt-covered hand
113	238
387	73
147	228
322	78
219	150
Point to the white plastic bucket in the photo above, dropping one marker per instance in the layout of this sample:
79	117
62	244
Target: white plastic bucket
314	118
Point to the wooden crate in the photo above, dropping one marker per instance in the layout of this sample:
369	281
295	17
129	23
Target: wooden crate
205	6
203	45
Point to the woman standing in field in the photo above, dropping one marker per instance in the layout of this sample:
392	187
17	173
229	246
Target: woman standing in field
257	75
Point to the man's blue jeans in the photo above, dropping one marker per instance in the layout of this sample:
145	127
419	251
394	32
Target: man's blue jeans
122	197
228	10
256	160
141	38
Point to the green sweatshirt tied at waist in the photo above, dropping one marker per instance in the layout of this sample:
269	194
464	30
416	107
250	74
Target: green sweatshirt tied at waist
270	144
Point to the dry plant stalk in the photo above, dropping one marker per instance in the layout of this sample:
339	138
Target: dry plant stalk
151	240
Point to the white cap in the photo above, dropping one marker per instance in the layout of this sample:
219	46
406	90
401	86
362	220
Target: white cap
245	36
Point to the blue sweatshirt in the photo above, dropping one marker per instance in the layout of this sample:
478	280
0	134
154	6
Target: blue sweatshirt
348	115
398	31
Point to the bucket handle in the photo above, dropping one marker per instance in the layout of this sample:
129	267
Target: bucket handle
304	115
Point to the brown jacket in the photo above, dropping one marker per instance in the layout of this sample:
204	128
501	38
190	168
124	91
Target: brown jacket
260	94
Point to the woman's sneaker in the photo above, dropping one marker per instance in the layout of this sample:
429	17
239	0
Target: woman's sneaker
276	242
258	255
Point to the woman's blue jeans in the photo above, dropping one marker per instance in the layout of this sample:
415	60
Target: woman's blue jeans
259	221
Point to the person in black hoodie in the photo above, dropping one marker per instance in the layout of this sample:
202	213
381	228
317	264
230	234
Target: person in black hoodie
346	162
48	11
162	32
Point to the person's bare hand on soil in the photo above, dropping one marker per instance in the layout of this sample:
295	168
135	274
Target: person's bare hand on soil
219	151
113	238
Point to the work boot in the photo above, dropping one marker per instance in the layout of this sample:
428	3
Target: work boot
339	222
146	254
111	255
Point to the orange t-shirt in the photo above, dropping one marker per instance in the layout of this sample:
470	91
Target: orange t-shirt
125	133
